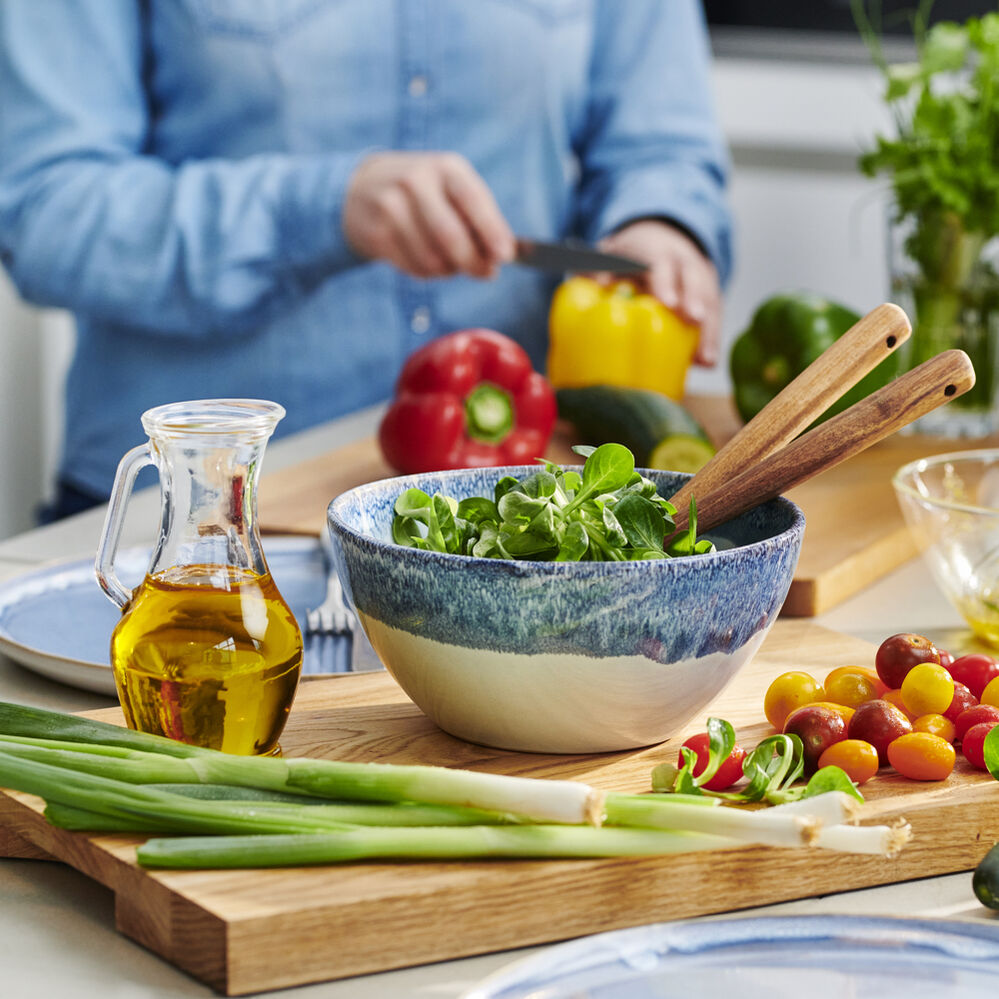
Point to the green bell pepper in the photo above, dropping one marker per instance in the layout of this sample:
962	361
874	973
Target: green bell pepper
788	332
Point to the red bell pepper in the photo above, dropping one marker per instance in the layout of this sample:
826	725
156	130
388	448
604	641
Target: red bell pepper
467	399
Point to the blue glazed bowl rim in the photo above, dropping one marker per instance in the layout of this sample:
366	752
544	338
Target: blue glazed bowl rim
794	530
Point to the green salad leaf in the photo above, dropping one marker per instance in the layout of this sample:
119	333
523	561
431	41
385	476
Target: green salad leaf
774	769
610	512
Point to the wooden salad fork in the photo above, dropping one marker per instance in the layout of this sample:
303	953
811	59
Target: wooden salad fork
767	457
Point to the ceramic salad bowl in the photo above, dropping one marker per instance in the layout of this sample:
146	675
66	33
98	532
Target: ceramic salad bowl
561	657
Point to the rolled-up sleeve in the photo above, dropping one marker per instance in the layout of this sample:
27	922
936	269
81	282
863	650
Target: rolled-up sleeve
90	221
651	144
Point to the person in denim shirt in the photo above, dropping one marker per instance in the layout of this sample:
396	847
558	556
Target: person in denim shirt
283	198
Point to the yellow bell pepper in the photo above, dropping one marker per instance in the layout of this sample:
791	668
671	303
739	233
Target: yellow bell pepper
615	335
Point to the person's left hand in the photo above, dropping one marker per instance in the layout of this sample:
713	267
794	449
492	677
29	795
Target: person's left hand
679	275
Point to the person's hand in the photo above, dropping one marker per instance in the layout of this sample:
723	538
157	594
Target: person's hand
430	214
679	275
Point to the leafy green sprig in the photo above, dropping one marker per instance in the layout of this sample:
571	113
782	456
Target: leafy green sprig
943	160
609	513
775	770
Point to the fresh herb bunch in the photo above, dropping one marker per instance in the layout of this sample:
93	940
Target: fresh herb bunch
609	513
944	159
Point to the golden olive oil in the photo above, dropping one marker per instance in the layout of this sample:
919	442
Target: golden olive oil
209	655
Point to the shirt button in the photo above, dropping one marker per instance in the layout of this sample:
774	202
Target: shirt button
419	321
417	86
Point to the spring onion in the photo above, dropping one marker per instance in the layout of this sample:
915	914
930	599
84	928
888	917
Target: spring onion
109	750
436	843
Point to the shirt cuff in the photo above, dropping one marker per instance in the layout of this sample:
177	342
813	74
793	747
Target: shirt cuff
310	225
691	203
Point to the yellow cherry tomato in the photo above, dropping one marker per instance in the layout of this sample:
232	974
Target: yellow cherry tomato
922	756
789	691
927	689
852	685
990	695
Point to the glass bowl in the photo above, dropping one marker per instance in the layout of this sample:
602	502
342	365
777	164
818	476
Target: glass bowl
951	505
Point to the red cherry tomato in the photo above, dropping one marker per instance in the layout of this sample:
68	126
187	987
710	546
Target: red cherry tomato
818	727
727	774
962	700
879	723
973	744
974	671
898	654
975	716
945	659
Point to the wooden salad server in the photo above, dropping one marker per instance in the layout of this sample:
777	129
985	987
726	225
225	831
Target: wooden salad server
838	368
908	397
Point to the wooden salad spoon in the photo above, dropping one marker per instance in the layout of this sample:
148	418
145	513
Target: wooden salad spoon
749	483
837	369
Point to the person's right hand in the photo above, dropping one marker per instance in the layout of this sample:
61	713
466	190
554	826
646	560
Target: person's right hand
428	213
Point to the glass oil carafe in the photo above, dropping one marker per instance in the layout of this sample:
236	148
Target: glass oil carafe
207	651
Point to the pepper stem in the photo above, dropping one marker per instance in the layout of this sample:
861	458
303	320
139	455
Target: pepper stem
488	413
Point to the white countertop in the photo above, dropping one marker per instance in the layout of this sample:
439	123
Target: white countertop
57	932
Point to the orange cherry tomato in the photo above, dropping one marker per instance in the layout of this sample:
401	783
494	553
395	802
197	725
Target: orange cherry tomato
844	711
895	697
936	725
857	758
789	691
922	756
927	689
852	685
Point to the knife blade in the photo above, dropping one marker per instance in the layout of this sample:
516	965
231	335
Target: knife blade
573	256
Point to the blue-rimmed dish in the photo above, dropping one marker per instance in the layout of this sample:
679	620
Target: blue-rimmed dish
770	957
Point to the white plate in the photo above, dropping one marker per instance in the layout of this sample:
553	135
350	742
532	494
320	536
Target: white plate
57	621
773	957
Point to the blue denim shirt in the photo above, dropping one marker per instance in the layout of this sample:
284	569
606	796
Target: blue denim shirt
173	172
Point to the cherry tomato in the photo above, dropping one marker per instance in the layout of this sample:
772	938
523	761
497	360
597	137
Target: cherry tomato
945	659
879	723
858	758
962	700
852	685
975	671
898	654
789	691
895	697
936	725
990	695
818	728
727	774
845	712
927	688
975	716
922	756
973	744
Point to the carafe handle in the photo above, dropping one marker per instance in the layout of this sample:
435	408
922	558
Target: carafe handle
114	521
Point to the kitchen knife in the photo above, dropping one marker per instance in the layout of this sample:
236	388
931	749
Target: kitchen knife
573	256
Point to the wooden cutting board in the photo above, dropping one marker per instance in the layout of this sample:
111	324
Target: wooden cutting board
854	531
246	931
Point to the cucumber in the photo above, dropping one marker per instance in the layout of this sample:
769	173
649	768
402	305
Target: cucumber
985	880
658	431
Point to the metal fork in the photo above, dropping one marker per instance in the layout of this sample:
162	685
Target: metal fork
332	616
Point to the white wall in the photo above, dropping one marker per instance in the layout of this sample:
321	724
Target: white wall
805	219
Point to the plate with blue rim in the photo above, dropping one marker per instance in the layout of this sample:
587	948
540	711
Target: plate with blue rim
56	620
770	957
